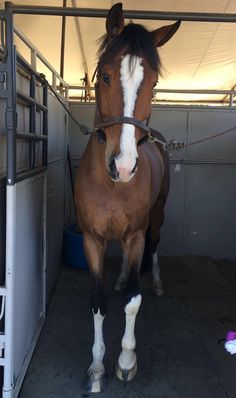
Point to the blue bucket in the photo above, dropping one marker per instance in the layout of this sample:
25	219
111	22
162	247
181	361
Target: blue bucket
73	251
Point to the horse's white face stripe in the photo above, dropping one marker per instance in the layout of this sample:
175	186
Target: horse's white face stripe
131	76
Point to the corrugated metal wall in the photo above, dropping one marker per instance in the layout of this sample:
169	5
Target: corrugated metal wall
200	213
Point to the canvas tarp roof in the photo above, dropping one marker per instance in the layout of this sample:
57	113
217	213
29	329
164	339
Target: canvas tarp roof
201	55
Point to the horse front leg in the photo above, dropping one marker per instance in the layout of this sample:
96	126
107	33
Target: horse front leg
94	250
127	362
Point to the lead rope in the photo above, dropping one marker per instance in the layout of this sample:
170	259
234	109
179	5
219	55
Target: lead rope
84	129
172	145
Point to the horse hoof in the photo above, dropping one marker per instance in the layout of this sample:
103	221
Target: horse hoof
119	286
158	290
94	384
126	374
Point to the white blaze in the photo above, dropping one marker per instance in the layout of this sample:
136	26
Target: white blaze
131	76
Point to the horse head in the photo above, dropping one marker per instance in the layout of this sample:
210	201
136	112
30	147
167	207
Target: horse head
127	73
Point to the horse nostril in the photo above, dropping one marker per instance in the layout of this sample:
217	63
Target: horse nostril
135	167
112	169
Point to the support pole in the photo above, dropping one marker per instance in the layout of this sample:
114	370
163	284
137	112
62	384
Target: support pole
63	34
129	14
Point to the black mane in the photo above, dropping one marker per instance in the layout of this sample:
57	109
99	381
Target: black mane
136	40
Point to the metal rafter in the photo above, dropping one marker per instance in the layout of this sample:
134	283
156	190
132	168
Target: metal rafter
133	14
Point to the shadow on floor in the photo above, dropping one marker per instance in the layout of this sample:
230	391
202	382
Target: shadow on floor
180	336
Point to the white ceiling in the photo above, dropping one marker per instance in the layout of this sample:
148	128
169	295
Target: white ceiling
199	56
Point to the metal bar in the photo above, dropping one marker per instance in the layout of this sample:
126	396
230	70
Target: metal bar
63	34
80	40
45	125
232	92
203	161
184	91
30	173
3	292
31	101
3	307
130	14
33	58
28	68
31	137
8	382
39	56
10	112
32	123
174	91
2	338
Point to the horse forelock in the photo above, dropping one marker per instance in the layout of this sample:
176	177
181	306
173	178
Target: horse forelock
135	40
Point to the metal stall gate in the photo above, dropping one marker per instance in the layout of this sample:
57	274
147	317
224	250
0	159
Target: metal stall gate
34	138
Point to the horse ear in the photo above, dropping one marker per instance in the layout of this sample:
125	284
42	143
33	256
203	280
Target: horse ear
164	34
115	21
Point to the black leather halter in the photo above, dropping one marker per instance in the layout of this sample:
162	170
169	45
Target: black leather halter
127	120
123	119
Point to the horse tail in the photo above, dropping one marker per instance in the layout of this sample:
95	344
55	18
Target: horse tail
147	254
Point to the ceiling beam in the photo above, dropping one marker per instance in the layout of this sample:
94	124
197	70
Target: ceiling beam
131	14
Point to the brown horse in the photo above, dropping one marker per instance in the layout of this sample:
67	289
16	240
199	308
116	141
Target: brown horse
123	179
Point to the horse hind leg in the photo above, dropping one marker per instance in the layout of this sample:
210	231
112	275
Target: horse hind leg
122	278
157	218
157	284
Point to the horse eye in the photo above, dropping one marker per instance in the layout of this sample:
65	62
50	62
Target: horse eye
106	78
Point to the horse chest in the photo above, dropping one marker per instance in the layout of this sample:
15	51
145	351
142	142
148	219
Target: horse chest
116	211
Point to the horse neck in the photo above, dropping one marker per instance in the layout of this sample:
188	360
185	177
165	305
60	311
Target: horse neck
95	156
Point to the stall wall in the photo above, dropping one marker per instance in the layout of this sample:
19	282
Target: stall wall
57	143
200	212
56	180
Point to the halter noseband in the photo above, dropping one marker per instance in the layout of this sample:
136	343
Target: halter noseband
110	121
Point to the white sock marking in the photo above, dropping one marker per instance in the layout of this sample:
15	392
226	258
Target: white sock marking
127	358
97	369
131	76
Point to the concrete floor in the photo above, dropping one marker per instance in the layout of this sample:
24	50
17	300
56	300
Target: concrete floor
180	336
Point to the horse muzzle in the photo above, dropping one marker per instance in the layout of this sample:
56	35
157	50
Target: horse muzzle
118	172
